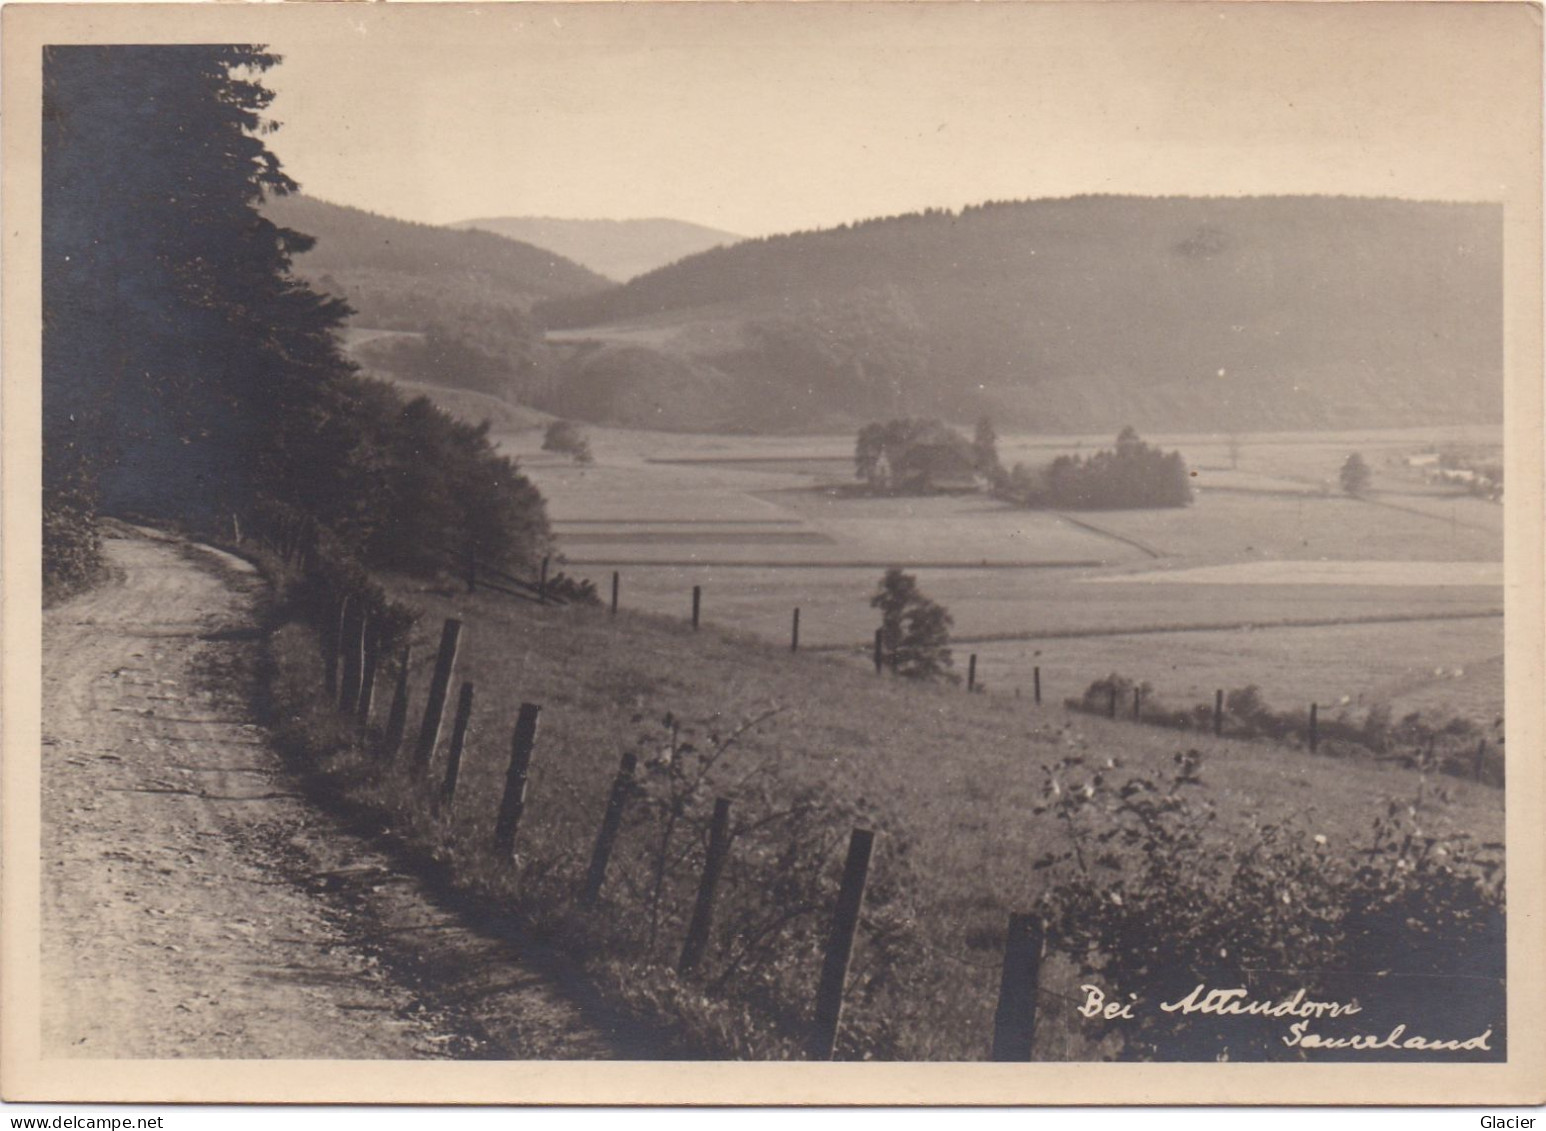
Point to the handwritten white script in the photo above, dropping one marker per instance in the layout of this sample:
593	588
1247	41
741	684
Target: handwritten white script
1098	1003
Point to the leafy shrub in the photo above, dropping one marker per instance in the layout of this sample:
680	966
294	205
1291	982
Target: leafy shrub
575	590
1149	900
72	544
1097	698
777	893
1456	748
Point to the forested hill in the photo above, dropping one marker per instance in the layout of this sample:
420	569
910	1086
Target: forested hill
352	239
1084	313
469	293
618	249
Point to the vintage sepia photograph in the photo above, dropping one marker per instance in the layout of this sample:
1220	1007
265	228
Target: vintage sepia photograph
889	534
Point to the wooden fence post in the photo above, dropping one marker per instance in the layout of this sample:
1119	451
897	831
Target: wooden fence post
397	714
1481	754
703	910
1315	738
458	740
1036	676
794	631
354	663
1111	707
611	821
368	673
616	580
1218	712
697	605
971	673
435	705
880	659
1014	1022
332	648
513	804
840	945
542	580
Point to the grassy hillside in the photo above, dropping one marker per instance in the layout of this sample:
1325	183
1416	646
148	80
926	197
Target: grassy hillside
807	747
618	249
1071	315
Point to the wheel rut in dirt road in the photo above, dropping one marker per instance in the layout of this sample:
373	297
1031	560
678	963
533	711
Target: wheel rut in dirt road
195	904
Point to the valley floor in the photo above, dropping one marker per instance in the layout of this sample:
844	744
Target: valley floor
1271	577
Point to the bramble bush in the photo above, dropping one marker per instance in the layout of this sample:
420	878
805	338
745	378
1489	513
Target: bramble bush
777	892
1149	899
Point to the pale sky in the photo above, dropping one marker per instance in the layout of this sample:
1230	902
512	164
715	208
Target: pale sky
762	118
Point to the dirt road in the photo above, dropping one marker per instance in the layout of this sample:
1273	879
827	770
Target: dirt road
196	905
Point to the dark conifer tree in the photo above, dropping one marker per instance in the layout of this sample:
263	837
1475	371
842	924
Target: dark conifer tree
188	375
171	323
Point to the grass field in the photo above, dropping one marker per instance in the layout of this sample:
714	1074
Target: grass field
767	524
1405	615
948	780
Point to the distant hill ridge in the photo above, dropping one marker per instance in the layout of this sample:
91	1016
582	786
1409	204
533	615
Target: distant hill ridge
1079	313
474	290
353	239
618	249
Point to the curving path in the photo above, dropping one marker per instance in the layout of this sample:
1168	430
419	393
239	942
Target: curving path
195	905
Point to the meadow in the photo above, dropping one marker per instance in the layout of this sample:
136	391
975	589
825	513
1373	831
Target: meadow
1272	577
806	747
978	800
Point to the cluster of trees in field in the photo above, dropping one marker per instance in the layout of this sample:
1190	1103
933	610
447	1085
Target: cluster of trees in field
1131	475
912	455
188	375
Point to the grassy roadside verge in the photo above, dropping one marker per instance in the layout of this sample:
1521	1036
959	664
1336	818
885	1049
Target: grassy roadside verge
806	748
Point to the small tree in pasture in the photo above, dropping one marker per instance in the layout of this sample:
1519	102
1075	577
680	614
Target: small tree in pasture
915	631
1355	475
565	437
